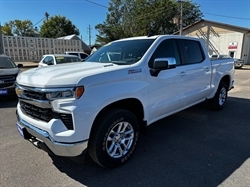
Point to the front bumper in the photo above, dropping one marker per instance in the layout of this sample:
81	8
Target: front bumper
7	91
34	134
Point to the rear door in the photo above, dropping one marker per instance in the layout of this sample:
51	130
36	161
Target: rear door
197	70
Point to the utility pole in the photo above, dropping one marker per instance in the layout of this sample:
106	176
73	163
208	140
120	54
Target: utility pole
181	17
1	40
181	21
89	31
47	15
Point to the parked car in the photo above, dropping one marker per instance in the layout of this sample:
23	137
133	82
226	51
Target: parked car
54	59
8	73
238	63
81	55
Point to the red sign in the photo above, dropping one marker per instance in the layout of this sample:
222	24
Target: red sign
233	45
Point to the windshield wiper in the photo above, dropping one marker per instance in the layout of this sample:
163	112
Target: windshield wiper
120	62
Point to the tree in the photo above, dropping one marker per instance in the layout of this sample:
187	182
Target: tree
111	29
18	28
57	26
128	18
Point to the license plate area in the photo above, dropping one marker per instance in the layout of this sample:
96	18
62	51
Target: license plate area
22	131
3	91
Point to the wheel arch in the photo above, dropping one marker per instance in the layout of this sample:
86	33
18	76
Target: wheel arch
226	79
130	104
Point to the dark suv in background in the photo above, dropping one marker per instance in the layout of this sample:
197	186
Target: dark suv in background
8	73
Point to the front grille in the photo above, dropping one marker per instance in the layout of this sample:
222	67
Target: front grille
35	95
7	80
46	114
43	114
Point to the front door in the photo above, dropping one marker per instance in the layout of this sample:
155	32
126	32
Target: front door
167	89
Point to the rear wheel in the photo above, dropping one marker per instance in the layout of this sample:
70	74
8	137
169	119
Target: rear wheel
219	100
114	138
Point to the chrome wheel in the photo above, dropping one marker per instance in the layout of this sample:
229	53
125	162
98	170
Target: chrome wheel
222	96
114	137
120	139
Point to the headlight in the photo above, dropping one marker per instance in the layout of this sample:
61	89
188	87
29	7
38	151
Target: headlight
63	94
19	91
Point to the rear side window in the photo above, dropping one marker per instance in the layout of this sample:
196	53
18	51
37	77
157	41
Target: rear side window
74	59
61	59
83	56
192	51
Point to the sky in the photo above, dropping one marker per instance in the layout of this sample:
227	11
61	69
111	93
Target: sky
86	14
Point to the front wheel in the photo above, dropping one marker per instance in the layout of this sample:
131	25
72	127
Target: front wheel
219	100
114	138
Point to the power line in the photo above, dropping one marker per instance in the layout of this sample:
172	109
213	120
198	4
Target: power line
38	22
97	4
226	16
203	12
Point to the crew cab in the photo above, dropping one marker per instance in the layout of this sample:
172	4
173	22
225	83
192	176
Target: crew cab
103	104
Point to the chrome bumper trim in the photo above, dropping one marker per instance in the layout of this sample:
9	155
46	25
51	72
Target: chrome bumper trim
58	148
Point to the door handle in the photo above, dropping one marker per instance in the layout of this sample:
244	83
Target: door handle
207	69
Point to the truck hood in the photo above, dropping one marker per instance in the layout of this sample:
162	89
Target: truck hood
9	71
63	75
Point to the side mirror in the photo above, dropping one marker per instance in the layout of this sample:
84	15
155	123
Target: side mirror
160	64
19	65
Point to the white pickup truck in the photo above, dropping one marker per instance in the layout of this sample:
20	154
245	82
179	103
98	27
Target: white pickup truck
102	104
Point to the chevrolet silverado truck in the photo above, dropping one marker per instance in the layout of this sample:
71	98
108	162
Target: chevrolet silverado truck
100	106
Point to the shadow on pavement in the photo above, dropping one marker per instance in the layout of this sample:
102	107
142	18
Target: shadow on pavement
195	147
245	67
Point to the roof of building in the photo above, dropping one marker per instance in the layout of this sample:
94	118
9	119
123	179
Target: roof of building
69	37
75	37
232	27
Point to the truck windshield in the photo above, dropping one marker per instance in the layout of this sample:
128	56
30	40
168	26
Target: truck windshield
121	52
6	63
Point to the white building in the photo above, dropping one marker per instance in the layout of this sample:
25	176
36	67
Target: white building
222	38
32	48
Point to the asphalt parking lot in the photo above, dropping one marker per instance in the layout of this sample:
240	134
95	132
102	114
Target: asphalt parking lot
196	147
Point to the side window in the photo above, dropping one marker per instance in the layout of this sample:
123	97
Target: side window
192	51
166	49
83	56
48	60
45	60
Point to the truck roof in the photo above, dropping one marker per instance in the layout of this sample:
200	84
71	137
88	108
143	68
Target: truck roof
155	36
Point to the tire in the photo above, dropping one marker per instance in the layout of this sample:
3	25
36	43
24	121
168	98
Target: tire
220	98
114	138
